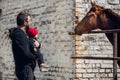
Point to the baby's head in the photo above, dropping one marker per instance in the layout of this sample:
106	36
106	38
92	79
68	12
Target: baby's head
32	32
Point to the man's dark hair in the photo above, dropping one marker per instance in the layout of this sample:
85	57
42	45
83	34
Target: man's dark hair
21	17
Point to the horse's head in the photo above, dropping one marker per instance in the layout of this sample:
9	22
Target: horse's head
90	21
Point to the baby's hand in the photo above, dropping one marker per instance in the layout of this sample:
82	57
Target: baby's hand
35	50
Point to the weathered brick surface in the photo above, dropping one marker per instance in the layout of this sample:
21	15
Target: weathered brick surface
53	18
94	45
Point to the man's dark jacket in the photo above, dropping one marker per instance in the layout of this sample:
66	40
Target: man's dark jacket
21	48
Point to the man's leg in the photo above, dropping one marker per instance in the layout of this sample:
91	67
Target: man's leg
26	74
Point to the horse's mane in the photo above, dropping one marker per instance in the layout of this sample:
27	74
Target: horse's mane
112	15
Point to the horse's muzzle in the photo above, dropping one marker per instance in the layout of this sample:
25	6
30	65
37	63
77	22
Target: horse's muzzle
77	31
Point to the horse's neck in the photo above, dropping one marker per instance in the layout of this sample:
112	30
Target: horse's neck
114	18
113	21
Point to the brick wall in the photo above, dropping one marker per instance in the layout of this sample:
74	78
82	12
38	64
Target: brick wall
94	45
53	18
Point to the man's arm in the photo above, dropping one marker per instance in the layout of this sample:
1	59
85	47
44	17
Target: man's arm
23	45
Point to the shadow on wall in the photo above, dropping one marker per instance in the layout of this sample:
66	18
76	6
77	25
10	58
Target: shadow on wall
0	75
0	11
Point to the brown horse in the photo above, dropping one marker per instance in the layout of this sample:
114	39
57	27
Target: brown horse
99	17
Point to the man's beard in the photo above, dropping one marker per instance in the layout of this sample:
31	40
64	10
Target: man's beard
27	28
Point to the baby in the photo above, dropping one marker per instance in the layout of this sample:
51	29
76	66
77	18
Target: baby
33	33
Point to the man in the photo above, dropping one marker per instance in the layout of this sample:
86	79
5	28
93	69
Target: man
24	59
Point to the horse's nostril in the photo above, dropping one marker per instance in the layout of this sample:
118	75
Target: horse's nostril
77	31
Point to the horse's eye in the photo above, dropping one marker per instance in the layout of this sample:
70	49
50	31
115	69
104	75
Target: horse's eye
93	9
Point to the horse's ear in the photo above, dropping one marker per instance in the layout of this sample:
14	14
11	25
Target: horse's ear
93	3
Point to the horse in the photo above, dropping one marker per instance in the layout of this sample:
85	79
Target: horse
102	18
